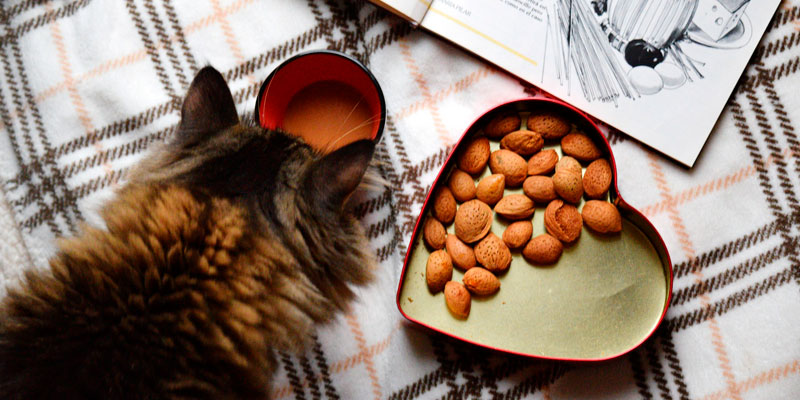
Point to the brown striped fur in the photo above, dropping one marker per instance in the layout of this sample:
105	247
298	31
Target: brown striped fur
227	244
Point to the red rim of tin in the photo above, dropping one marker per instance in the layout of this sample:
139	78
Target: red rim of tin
621	203
340	67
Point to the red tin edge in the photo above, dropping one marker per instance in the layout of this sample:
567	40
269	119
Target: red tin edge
620	203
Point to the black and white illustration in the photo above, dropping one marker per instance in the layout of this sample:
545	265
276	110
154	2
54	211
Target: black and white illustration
613	49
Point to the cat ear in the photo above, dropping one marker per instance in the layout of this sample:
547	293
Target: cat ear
208	106
339	173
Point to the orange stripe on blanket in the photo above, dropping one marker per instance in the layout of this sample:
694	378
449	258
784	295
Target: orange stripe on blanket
141	54
712	186
341	366
687	246
77	101
355	327
456	87
423	86
66	70
227	31
764	378
213	18
95	72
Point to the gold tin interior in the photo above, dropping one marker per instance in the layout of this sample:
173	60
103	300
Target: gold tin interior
604	296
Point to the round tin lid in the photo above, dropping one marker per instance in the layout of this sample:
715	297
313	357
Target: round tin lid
327	97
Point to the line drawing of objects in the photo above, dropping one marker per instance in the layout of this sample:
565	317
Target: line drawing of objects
735	38
617	49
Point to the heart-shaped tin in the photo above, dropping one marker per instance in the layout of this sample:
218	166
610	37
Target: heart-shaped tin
605	296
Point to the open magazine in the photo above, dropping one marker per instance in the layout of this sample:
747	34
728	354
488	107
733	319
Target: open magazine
658	70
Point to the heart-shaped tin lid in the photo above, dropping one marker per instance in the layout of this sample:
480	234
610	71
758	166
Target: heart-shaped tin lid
604	296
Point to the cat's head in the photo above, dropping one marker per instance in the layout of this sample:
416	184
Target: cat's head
293	195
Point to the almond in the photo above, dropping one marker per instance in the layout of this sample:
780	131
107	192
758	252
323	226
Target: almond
601	216
581	147
562	221
461	185
493	254
491	188
543	249
473	159
473	221
510	164
542	162
568	185
517	234
548	124
515	206
438	270
539	188
481	282
434	234
597	179
501	125
522	142
444	206
462	255
570	164
457	298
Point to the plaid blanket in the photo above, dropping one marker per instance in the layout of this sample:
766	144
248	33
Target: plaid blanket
87	86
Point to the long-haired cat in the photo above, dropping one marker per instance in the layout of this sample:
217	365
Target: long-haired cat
227	244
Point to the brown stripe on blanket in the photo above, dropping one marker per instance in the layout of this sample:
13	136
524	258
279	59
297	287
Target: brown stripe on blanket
536	381
377	15
373	205
324	23
731	248
20	8
673	361
466	361
774	48
178	33
152	51
65	205
36	168
166	43
783	16
322	365
344	18
131	123
731	302
783	70
448	365
393	34
292	374
413	174
116	152
652	351
310	377
38	21
787	129
731	275
639	373
785	182
288	48
420	386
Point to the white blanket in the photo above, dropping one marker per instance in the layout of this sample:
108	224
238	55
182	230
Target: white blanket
87	86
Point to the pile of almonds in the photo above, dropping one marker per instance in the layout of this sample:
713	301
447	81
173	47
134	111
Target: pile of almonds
544	178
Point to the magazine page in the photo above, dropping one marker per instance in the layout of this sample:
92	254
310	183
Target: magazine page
412	10
658	70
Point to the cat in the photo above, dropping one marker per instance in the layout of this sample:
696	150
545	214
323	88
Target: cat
229	243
